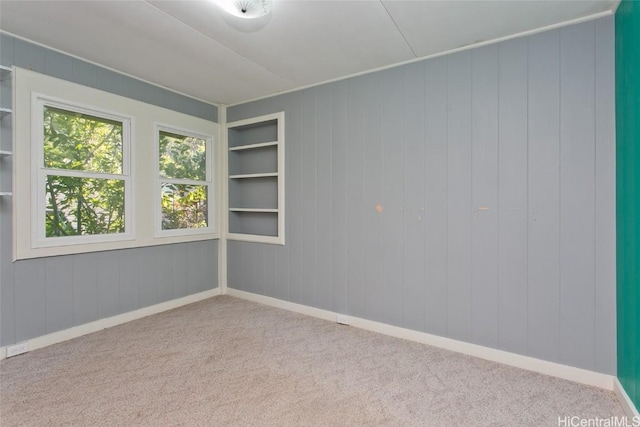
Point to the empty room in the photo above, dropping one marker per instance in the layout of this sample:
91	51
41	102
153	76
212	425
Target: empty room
319	213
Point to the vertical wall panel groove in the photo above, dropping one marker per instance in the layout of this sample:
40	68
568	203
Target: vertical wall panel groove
59	293
459	197
413	230
355	201
324	203
605	198
577	174
484	189
85	288
393	274
373	220
513	190
165	274
543	329
309	187
108	285
295	196
270	269
339	162
149	277
436	188
30	299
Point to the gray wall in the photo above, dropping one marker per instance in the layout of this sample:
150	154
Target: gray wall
45	295
495	169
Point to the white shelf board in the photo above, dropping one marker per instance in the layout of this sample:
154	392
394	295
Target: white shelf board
252	146
4	72
253	175
5	153
253	210
256	238
5	111
5	193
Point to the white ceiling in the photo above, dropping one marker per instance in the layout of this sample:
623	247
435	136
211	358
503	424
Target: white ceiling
189	46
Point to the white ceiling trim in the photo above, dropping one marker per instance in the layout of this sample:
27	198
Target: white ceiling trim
447	52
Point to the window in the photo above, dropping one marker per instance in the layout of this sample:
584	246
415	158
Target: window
83	181
95	171
185	186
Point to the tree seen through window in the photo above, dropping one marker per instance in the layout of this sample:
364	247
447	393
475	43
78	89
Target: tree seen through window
83	159
183	186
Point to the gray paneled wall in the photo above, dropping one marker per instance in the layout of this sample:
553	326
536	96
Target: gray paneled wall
41	296
495	172
52	294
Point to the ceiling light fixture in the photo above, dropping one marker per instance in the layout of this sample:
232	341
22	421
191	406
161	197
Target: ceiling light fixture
246	15
247	9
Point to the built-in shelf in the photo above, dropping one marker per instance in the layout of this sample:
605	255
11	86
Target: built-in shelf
253	175
252	146
256	179
253	210
4	72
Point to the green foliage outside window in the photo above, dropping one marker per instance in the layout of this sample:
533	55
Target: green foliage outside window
82	205
183	157
76	141
184	205
88	205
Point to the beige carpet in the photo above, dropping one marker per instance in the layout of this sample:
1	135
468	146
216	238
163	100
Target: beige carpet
229	362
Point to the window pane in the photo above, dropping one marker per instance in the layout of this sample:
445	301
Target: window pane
83	206
184	206
182	157
81	142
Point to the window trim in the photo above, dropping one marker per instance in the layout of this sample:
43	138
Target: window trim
24	202
210	182
38	193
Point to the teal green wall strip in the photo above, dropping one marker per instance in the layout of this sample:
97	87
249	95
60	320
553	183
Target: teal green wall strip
628	195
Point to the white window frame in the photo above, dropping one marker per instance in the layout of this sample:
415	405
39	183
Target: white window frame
209	182
27	201
38	191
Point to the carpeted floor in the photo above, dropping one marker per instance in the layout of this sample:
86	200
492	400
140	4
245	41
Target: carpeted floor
228	362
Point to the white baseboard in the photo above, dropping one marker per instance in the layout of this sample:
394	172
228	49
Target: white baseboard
571	373
629	408
286	305
98	325
566	372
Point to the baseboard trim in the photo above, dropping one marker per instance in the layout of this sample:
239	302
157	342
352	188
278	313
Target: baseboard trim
629	408
566	372
98	325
